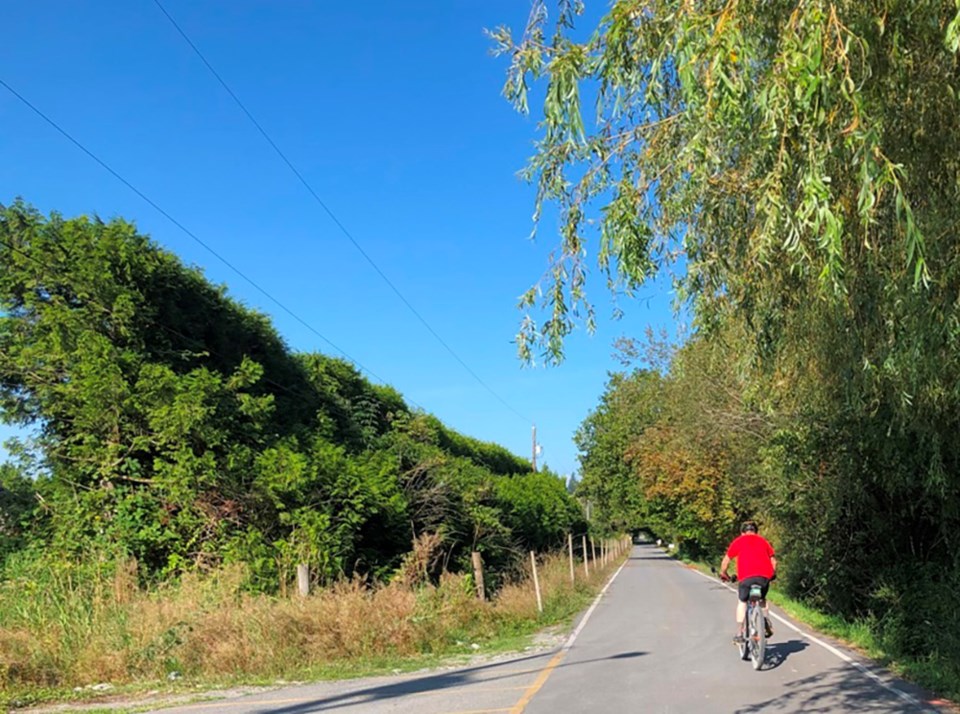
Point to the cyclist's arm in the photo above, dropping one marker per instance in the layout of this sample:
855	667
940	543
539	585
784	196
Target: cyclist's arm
725	564
773	562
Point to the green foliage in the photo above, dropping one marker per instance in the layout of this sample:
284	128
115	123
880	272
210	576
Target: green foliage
537	506
18	510
501	515
608	483
173	426
674	452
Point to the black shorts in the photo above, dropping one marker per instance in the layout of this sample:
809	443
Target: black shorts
744	586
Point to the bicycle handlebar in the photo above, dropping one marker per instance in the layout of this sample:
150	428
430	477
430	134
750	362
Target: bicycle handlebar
733	578
729	578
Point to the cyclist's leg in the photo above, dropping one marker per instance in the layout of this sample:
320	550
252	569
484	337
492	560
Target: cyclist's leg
768	625
767	622
743	594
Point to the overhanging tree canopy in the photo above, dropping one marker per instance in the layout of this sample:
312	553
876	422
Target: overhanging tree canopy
782	146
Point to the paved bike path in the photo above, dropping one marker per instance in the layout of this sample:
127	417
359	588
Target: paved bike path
657	642
660	642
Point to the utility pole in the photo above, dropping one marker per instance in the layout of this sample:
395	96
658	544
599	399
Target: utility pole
534	447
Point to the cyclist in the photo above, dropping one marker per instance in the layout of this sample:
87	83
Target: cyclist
756	565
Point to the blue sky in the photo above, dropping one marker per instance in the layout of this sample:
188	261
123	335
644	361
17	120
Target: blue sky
392	112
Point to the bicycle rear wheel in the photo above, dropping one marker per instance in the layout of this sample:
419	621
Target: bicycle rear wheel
745	645
758	635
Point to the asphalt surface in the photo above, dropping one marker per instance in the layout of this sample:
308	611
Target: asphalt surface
657	641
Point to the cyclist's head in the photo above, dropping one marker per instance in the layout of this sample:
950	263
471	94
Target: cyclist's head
749	527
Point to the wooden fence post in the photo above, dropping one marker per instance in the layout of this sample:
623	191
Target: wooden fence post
478	575
593	549
303	579
586	557
570	553
536	581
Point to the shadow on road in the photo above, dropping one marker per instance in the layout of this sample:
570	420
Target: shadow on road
628	655
432	683
777	652
835	691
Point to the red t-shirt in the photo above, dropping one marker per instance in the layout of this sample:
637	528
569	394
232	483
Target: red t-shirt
753	554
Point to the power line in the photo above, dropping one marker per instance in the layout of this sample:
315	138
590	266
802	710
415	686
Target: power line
330	213
183	228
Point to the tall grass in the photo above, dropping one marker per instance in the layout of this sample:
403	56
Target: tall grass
75	626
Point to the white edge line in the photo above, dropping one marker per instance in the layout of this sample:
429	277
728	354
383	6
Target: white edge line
909	698
573	635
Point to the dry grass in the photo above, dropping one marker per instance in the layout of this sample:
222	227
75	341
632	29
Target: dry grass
74	632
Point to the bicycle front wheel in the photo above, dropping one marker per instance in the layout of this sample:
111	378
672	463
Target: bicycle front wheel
745	644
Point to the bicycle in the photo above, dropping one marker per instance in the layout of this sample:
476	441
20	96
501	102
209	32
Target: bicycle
754	645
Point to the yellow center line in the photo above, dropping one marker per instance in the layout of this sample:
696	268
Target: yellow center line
558	657
539	682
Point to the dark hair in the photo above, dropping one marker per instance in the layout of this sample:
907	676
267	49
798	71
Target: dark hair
749	527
